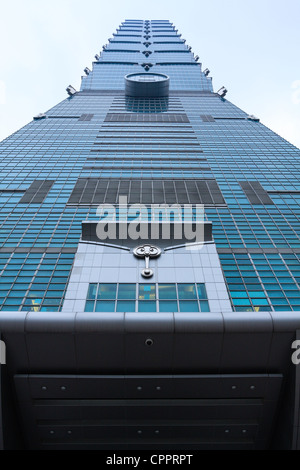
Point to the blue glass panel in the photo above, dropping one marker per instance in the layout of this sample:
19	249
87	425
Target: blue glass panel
275	293
125	306
56	286
105	306
187	291
107	291
127	291
239	294
17	293
38	286
35	301
204	306
92	291
284	308
241	302
243	309
54	293
31	308
26	308
146	306
167	291
188	306
260	302
279	301
51	308
256	294
14	301
147	292
52	301
168	306
201	291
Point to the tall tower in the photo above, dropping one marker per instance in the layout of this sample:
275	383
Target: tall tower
169	323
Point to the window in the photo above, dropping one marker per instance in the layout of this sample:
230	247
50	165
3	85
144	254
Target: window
144	297
147	191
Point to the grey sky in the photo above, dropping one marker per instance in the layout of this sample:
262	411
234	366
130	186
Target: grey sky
250	46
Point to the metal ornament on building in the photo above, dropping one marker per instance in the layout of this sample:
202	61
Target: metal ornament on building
147	252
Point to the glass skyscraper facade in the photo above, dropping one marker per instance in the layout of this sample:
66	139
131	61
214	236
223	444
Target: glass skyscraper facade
192	135
147	124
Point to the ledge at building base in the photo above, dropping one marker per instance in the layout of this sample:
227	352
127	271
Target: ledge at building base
144	381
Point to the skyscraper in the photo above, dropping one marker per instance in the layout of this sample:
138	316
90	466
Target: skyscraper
132	336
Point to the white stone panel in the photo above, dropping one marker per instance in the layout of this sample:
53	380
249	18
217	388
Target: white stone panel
102	263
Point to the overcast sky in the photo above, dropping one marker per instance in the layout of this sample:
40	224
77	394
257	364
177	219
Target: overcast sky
250	46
